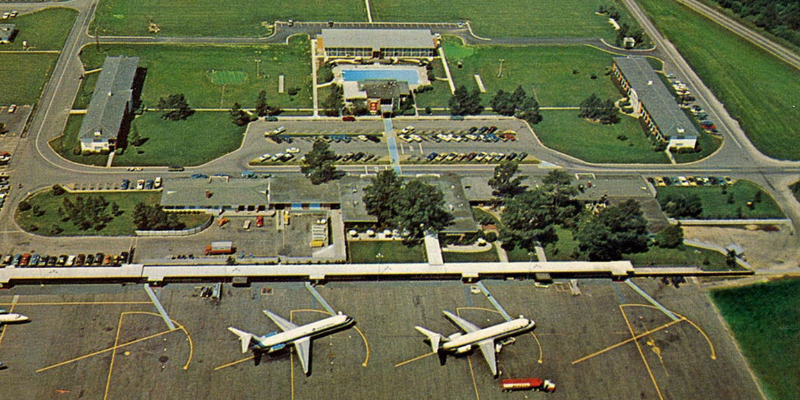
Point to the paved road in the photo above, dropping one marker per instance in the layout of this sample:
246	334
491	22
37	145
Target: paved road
37	166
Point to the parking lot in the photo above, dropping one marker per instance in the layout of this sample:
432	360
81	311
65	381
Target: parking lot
365	141
107	341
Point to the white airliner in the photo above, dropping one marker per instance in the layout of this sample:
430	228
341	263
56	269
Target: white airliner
6	318
299	336
460	343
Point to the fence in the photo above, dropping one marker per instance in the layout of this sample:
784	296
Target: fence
183	232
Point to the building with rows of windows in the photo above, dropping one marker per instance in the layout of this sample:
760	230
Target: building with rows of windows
377	43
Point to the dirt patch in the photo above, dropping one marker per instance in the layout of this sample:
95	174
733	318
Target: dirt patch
774	249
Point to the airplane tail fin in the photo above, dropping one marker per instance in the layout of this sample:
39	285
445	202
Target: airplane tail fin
435	338
244	337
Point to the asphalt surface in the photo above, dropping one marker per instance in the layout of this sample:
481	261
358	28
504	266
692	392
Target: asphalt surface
109	342
36	166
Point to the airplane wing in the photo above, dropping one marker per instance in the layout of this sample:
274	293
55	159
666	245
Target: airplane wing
461	322
303	348
487	348
282	323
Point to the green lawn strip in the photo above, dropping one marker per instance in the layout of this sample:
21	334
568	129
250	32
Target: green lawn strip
68	143
564	131
24	77
212	18
86	91
190	70
520	18
549	70
43	30
795	187
716	206
765	321
201	138
756	88
365	252
489	255
121	225
566	249
519	254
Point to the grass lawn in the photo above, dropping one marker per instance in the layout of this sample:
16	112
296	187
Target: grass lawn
43	30
757	89
795	187
566	249
765	321
548	69
121	225
191	70
716	206
364	252
489	255
519	254
520	18
211	18
28	72
86	91
564	131
199	139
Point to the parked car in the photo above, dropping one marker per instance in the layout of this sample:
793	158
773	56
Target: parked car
157	182
125	184
89	259
26	258
62	259
124	257
80	260
140	184
259	221
35	260
199	176
348	118
70	260
148	184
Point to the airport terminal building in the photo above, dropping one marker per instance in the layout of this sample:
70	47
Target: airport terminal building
653	102
377	43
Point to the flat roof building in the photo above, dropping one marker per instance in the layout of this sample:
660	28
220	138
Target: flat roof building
654	103
111	105
377	43
381	95
214	195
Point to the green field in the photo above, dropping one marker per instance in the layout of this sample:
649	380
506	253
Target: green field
211	18
86	91
43	30
566	249
28	72
520	18
757	89
365	252
489	255
548	69
521	255
716	206
566	132
765	321
193	70
199	139
121	225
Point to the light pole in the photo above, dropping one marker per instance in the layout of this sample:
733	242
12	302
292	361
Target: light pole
258	69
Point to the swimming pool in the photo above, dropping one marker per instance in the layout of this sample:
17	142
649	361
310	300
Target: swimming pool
408	75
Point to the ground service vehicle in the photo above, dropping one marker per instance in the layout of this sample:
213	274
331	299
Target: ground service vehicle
218	248
542	385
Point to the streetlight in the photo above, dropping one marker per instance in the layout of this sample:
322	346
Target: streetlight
258	69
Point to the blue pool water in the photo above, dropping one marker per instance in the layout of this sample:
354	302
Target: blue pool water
407	75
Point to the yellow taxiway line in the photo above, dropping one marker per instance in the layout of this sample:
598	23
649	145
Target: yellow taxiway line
641	353
113	355
624	342
11	310
400	364
474	382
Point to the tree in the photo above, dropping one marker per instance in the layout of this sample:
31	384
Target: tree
671	237
614	231
334	102
262	109
134	138
557	177
527	219
419	209
687	206
153	218
504	183
174	107
465	102
595	109
58	190
239	116
502	103
318	164
380	196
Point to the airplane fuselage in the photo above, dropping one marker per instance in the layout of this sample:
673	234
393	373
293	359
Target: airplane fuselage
12	318
275	342
499	331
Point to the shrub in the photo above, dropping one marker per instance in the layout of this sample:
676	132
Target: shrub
491	237
24	205
58	190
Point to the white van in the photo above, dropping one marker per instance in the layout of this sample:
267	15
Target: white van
247	224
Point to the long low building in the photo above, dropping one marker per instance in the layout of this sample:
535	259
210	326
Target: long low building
111	105
654	103
377	43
